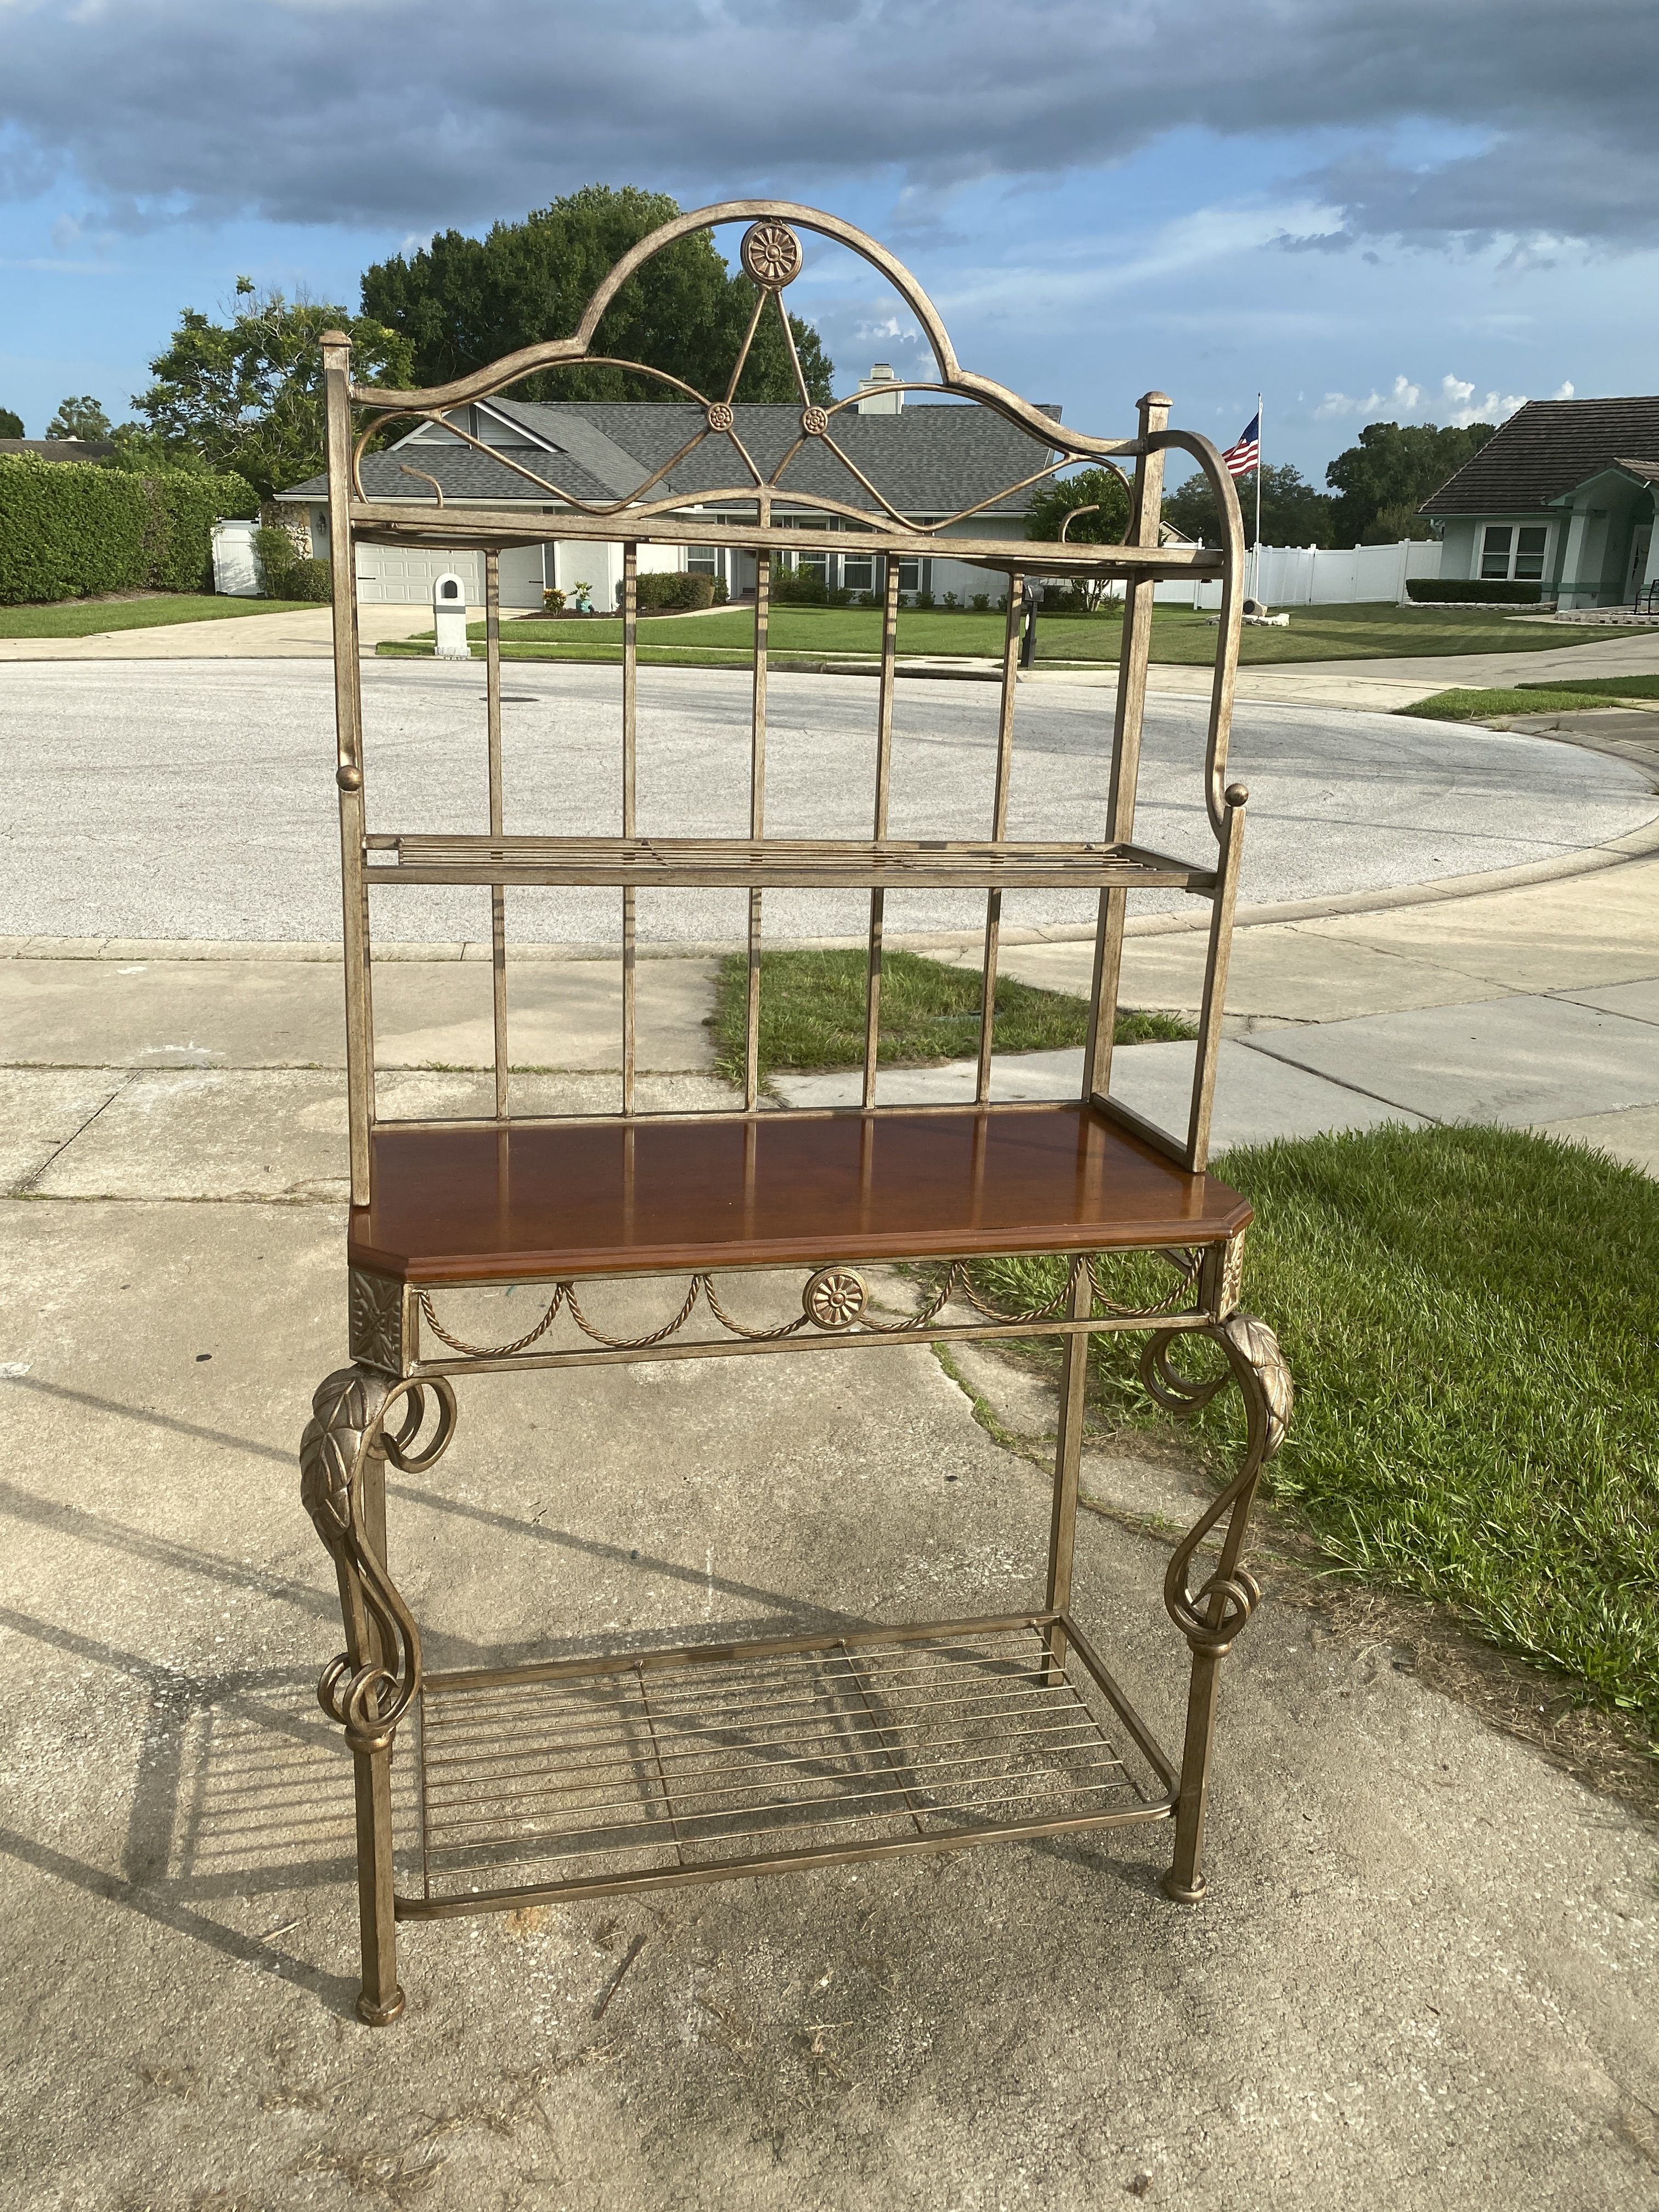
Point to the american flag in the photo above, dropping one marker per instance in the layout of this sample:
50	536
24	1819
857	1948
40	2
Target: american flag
1247	453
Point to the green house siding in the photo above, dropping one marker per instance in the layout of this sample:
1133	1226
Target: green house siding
1604	517
1465	544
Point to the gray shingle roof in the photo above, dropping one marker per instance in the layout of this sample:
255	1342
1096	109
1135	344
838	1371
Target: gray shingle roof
59	449
1547	448
927	461
465	474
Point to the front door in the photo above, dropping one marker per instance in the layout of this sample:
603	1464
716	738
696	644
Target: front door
1641	542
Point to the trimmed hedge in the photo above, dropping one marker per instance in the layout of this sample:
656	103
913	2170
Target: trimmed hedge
671	592
310	579
285	573
70	530
1473	590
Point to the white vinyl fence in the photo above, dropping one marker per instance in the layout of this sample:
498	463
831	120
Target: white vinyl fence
1313	576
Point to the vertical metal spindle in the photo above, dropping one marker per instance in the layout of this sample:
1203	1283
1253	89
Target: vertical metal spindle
1215	978
884	776
630	732
1068	1459
497	895
999	831
348	762
1146	513
756	827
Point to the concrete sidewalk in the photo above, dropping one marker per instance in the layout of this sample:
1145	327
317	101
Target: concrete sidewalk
298	633
1536	1006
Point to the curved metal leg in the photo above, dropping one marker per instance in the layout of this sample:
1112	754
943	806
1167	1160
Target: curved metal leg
1210	1617
370	1686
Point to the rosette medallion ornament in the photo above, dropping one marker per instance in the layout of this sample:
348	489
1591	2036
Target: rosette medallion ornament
771	254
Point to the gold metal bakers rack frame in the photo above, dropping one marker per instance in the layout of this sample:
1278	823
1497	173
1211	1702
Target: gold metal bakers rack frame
641	1768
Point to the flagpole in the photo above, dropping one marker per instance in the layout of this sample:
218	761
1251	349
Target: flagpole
1256	591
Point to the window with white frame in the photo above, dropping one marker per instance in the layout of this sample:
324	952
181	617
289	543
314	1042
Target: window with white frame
1514	553
858	572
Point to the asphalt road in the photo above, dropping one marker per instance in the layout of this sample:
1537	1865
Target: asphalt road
195	800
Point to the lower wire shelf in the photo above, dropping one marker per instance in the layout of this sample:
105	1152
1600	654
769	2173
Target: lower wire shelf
707	1764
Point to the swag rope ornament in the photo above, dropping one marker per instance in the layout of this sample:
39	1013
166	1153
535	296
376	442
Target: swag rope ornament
834	1300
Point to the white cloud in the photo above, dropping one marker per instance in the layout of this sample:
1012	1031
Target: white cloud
1402	396
1457	403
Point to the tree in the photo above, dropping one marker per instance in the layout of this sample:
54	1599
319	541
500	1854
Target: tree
461	302
1292	511
78	418
247	395
1100	488
11	426
1381	482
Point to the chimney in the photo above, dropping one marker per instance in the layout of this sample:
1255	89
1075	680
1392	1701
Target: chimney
876	396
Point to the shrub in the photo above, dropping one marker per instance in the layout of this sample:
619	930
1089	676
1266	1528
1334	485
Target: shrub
981	602
309	578
70	530
950	600
553	600
674	590
276	553
925	600
1490	591
800	587
721	595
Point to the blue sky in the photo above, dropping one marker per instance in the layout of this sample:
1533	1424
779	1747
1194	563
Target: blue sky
1414	211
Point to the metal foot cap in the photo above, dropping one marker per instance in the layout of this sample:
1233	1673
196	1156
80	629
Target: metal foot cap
1182	1892
380	2015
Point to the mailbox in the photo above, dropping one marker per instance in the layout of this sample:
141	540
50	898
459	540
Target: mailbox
449	617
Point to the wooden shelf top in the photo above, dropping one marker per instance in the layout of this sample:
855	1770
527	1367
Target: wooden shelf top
476	1203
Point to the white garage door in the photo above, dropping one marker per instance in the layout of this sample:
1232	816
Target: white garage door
402	576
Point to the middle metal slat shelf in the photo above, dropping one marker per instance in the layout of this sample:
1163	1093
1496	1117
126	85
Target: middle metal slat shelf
774	863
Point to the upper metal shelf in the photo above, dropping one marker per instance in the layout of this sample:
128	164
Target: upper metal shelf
778	863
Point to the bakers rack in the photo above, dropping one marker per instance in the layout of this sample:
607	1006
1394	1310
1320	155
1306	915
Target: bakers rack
636	1768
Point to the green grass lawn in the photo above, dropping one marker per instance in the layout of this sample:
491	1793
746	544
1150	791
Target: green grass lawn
1607	687
811	1014
1348	632
92	618
1563	697
1472	1318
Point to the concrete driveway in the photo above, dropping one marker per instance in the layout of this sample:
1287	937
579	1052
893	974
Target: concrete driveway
195	800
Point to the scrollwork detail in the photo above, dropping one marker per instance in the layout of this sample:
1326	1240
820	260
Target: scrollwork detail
1210	1617
369	1688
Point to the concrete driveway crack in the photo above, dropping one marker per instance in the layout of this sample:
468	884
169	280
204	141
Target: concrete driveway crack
25	1187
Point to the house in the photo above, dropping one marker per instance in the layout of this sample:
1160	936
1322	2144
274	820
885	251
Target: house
1562	495
929	461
